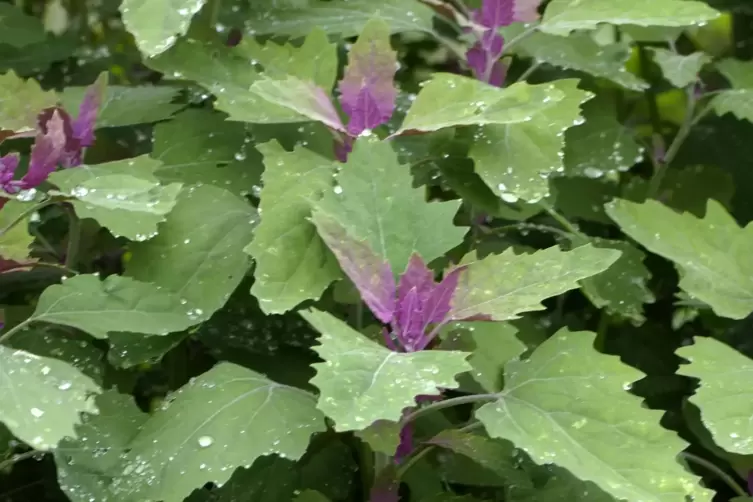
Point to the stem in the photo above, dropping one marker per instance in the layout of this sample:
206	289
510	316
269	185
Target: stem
74	238
45	264
677	142
447	403
729	480
413	460
559	218
520	37
44	242
528	226
14	330
18	458
528	72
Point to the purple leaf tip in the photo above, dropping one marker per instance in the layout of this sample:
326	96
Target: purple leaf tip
367	90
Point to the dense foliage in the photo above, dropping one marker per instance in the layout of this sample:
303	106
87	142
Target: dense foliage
376	250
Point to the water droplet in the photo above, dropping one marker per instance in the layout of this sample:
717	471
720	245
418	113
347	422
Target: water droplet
206	441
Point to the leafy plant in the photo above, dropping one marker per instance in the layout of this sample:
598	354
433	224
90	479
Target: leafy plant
347	250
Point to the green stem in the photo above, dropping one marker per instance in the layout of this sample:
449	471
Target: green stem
529	226
415	458
74	238
529	71
26	214
15	330
559	218
18	458
44	242
716	470
448	403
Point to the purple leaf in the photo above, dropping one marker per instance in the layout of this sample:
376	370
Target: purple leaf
367	90
83	126
495	13
8	166
48	150
483	58
370	273
343	148
386	486
405	446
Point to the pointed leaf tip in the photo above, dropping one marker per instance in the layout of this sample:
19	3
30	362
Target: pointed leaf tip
367	90
83	126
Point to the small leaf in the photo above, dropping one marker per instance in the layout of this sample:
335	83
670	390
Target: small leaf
14	244
711	253
200	147
303	98
198	254
621	289
382	436
564	16
737	100
346	17
367	90
132	349
21	101
292	262
117	303
156	24
600	145
577	52
376	203
553	407
527	280
124	106
128	205
361	382
42	397
724	394
679	70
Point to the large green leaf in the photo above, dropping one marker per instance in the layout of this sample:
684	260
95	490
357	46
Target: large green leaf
737	100
576	52
123	196
375	201
21	101
621	289
347	17
361	382
293	264
155	24
198	254
526	280
227	417
18	29
553	406
200	147
678	69
115	304
563	16
724	393
600	145
124	106
42	397
230	74
711	252
14	244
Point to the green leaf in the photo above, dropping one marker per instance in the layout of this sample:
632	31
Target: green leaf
125	106
724	392
346	17
21	101
577	52
679	70
199	147
198	253
621	289
14	244
493	344
293	264
42	397
494	455
98	307
737	100
584	198
361	382
311	496
711	252
17	29
376	203
383	436
553	408
156	24
527	280
182	446
131	349
600	145
564	16
562	485
129	205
